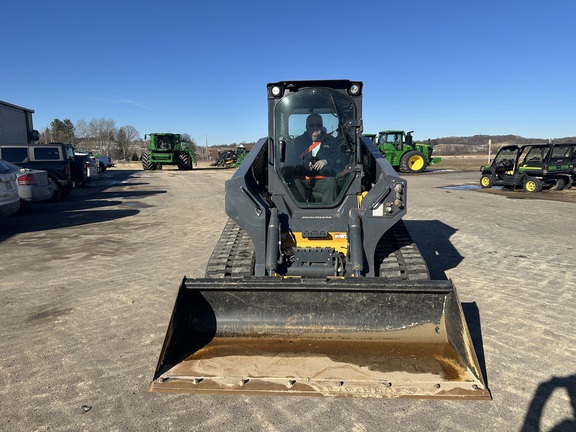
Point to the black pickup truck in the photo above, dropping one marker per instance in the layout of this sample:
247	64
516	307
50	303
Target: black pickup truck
64	171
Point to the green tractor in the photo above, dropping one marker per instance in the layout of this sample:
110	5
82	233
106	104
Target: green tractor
168	149
241	154
231	158
402	153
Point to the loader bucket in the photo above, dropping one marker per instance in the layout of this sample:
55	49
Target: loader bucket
331	337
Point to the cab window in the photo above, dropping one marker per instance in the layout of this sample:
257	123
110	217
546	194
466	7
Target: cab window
46	153
14	154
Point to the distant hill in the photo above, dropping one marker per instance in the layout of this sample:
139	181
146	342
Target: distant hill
442	146
479	143
497	139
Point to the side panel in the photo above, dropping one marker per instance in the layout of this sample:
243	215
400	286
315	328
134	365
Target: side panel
244	202
13	125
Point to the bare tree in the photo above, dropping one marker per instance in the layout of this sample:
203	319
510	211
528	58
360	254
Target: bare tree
126	138
102	133
81	130
131	133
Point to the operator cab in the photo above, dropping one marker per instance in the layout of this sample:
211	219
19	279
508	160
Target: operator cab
505	160
392	138
536	155
333	115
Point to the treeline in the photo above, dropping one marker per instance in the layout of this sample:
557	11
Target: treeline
125	143
100	136
480	143
497	139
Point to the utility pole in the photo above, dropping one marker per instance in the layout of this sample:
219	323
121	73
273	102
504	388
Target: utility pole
489	149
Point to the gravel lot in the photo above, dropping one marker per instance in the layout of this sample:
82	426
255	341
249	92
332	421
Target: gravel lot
88	285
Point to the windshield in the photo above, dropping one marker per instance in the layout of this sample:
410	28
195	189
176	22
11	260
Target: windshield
536	155
505	159
318	145
391	138
559	152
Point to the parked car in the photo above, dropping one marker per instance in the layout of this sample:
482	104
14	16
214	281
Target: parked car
33	185
90	164
9	199
103	162
56	158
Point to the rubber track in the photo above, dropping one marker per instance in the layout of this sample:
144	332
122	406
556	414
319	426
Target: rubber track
398	255
233	255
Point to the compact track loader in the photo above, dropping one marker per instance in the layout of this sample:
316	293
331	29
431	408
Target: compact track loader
315	286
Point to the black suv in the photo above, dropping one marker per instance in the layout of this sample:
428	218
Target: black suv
64	171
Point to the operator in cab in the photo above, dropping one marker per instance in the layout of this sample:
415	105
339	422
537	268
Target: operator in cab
316	151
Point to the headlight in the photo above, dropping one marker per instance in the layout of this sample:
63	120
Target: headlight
276	91
355	89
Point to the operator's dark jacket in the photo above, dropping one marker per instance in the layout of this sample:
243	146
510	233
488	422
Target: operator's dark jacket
329	150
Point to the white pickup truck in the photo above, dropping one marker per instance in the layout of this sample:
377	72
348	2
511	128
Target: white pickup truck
104	162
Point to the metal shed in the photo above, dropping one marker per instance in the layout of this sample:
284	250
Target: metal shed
16	124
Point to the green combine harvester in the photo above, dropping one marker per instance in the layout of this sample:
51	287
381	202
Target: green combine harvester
402	152
168	149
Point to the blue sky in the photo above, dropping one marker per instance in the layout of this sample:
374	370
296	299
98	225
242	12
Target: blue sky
438	67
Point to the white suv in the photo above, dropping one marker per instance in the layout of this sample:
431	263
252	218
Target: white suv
9	199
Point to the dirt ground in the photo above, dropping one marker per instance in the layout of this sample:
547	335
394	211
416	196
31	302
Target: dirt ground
88	285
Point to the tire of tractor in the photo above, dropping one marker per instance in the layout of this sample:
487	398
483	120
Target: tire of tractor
487	181
559	185
184	162
146	164
533	184
413	162
157	166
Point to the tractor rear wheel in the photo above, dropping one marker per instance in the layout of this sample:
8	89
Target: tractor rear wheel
487	181
413	162
533	184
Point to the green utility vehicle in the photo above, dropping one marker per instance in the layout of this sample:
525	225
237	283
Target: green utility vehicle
168	149
402	152
532	167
